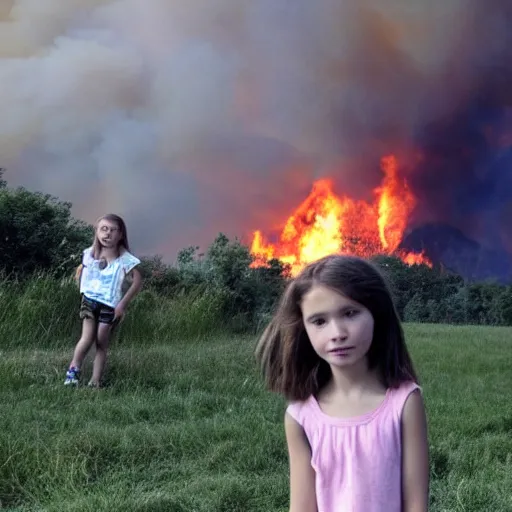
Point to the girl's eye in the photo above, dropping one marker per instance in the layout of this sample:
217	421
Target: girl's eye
351	313
318	322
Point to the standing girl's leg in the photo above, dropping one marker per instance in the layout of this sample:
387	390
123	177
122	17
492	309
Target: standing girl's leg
85	342
82	347
102	342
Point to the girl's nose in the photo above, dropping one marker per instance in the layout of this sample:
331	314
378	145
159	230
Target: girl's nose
338	331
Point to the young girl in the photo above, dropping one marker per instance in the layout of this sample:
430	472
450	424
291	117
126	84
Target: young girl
104	268
355	424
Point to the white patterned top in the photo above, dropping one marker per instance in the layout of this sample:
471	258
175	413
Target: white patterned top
105	285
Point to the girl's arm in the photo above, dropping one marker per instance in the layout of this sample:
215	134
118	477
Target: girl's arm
130	293
415	463
78	274
302	475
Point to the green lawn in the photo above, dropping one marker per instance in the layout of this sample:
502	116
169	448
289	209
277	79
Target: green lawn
188	427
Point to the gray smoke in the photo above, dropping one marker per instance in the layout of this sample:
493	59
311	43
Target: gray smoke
190	118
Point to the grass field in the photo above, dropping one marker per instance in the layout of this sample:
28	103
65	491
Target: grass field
188	427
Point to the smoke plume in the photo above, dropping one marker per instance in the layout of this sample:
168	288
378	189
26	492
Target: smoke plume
190	118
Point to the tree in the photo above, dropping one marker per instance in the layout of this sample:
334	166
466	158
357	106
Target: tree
416	309
249	293
457	307
430	285
3	183
227	262
506	306
37	232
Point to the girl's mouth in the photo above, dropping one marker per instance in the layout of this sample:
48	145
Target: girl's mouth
342	351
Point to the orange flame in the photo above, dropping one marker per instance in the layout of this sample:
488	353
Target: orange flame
396	202
325	224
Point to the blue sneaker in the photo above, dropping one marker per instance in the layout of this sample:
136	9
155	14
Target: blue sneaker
72	377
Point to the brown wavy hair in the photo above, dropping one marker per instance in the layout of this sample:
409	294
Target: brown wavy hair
123	244
290	365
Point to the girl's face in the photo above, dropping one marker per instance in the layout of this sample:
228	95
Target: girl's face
340	329
108	233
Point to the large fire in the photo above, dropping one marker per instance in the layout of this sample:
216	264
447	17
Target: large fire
325	224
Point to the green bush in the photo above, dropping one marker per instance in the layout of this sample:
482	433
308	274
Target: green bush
246	296
38	233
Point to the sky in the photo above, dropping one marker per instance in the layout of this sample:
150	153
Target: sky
190	119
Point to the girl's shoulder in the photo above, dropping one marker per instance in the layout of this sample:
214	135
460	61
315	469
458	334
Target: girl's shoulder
399	395
128	259
87	254
300	410
405	388
127	255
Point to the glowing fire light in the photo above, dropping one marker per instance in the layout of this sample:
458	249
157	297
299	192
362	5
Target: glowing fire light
325	224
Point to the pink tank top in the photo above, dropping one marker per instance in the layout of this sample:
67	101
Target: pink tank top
357	460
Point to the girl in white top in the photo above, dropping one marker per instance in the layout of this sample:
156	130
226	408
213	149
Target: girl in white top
104	268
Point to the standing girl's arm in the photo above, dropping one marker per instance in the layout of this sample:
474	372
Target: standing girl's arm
130	293
302	475
415	463
78	274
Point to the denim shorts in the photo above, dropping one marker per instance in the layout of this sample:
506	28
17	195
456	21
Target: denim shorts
97	311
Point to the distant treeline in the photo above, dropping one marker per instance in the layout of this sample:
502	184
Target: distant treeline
39	237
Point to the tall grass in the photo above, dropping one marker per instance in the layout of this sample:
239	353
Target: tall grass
43	312
184	424
188	427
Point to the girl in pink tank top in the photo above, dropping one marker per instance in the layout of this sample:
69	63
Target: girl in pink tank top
355	423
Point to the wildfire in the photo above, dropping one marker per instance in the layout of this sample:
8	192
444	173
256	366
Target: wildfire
325	224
